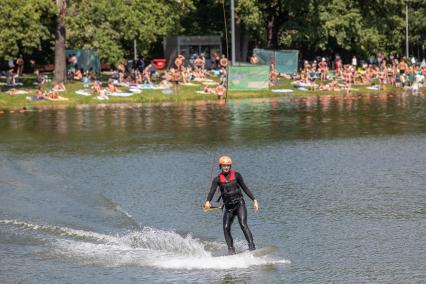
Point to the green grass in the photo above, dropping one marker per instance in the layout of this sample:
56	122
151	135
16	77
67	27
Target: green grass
184	94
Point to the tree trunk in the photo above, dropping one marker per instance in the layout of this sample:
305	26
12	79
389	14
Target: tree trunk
237	39
244	45
272	32
59	74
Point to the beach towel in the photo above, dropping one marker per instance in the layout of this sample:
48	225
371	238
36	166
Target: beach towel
375	88
12	85
216	72
202	80
201	92
145	86
285	91
121	84
34	98
135	90
210	83
17	92
120	94
102	98
190	84
83	92
59	98
58	90
299	84
167	91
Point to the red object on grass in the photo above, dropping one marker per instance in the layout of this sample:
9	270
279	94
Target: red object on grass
159	63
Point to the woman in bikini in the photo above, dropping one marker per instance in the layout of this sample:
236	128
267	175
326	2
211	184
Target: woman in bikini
323	69
347	77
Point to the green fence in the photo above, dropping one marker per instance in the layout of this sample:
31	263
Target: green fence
286	61
86	59
248	77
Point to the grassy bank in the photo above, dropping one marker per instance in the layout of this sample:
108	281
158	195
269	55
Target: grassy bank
182	94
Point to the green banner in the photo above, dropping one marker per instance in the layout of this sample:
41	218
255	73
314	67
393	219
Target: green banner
286	61
248	77
86	59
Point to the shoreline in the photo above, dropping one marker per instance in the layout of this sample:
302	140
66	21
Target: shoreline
186	94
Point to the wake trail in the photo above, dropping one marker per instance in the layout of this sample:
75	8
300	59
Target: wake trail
146	247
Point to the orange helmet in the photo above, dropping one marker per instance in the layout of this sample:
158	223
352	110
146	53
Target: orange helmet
225	160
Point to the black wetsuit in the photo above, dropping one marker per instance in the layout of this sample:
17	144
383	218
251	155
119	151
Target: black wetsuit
234	206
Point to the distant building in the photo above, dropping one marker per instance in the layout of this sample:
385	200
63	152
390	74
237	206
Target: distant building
190	47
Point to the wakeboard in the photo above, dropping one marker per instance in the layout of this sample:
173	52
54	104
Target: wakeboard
259	251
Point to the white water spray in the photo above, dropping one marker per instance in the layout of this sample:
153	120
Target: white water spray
147	247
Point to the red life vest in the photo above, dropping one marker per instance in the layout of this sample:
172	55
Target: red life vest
223	179
229	188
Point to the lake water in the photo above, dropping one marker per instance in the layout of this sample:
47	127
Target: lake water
112	194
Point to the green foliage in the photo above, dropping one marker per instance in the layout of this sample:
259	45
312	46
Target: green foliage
24	26
111	26
312	26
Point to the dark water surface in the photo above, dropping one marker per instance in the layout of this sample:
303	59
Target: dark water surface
112	194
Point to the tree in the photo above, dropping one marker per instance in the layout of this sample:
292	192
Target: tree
59	74
111	26
25	26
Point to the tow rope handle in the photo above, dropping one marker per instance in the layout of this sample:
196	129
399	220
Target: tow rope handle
213	208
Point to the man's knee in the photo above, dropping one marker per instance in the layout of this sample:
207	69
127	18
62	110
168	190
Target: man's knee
244	226
227	227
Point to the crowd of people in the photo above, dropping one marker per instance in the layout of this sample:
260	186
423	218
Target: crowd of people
180	72
320	74
378	71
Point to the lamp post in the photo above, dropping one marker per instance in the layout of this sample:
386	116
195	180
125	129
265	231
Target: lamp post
233	32
406	30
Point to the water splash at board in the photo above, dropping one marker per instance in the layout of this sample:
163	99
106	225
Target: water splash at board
147	247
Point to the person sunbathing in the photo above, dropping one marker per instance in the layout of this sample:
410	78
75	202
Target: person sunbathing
78	75
53	95
92	74
332	86
254	59
200	74
40	94
165	84
220	90
208	90
59	87
111	87
96	89
12	91
102	95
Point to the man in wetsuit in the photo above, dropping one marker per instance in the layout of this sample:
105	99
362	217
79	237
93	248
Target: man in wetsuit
230	184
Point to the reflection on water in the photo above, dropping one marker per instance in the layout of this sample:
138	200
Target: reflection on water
339	209
106	128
